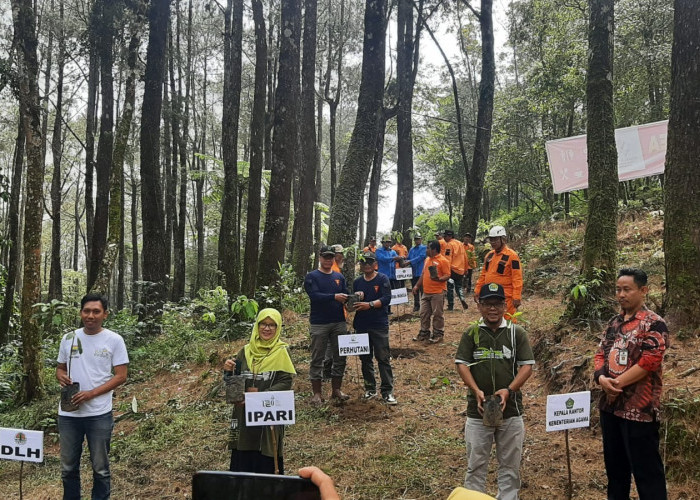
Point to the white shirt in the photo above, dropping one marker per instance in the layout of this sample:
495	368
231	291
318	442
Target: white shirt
91	363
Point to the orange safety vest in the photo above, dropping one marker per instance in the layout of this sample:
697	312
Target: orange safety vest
458	263
505	269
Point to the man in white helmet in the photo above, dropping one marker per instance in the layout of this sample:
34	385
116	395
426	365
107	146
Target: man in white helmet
502	265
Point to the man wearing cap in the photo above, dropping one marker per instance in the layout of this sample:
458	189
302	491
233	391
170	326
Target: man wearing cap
434	284
338	268
372	317
371	246
470	252
454	251
327	292
338	258
386	262
628	367
502	266
494	358
416	256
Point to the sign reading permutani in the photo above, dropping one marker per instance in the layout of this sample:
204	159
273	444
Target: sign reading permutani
404	273
568	411
354	344
18	444
269	408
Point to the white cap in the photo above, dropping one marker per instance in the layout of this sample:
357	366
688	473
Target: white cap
497	231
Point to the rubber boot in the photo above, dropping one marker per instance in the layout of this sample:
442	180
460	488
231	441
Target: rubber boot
336	382
317	387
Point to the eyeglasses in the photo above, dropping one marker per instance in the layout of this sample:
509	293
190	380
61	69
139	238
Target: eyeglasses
491	305
267	326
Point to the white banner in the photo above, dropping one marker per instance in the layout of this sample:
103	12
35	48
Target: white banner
404	273
269	408
18	444
568	411
354	344
399	296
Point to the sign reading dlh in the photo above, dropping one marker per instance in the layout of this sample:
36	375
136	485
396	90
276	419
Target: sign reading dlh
18	444
269	408
568	411
354	344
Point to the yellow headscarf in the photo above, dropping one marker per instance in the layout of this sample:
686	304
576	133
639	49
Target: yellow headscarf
268	355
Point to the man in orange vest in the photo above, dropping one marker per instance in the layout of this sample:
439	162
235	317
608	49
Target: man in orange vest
470	251
372	246
502	265
433	281
454	251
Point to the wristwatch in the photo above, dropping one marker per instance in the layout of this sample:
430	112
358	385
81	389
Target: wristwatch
511	393
371	304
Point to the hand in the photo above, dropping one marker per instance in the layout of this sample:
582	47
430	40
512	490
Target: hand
362	306
414	290
480	401
82	397
322	480
229	365
516	303
360	295
609	386
504	394
63	379
341	297
252	389
397	258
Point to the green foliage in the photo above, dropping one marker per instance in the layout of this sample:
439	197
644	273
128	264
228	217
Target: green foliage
244	309
55	317
682	436
428	222
589	301
286	293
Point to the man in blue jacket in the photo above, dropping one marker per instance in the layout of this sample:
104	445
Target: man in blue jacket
371	317
416	256
386	259
327	292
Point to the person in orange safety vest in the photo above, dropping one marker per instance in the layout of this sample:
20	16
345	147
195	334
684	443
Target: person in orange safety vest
502	265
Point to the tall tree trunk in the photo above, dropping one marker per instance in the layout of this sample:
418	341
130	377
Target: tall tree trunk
257	140
135	263
199	183
284	145
105	10
56	275
24	20
77	215
116	213
682	185
229	245
154	265
599	260
90	124
13	233
304	208
374	182
318	211
484	122
353	177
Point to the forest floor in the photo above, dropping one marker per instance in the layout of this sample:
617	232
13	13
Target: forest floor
414	450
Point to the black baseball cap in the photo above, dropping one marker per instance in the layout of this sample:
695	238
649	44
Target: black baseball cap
449	232
327	250
369	257
492	291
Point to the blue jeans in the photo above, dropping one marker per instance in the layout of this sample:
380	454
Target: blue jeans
98	431
379	348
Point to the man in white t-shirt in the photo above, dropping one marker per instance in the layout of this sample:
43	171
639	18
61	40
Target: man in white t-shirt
96	358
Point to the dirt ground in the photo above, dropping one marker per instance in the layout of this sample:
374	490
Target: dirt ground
414	450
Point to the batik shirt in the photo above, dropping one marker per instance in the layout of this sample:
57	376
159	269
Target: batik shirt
641	340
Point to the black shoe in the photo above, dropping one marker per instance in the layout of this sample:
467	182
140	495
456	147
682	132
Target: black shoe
464	304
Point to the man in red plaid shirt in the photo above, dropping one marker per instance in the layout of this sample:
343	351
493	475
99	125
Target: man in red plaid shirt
628	369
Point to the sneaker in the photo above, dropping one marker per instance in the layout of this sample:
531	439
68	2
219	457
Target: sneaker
390	399
464	304
437	337
369	395
422	335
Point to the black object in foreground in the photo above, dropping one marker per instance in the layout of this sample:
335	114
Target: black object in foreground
219	485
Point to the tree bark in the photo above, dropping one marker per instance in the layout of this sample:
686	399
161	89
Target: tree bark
257	144
154	265
374	182
13	233
284	145
24	21
302	250
90	121
56	275
682	185
353	177
105	12
484	121
229	245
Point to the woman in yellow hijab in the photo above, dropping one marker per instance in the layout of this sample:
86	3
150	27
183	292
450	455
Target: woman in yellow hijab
265	365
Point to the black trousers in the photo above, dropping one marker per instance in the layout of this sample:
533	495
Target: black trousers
632	448
416	297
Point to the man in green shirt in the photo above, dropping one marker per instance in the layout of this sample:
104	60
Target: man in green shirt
494	358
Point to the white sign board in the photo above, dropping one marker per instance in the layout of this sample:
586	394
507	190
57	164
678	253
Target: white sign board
404	273
269	408
18	444
354	344
568	411
399	296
